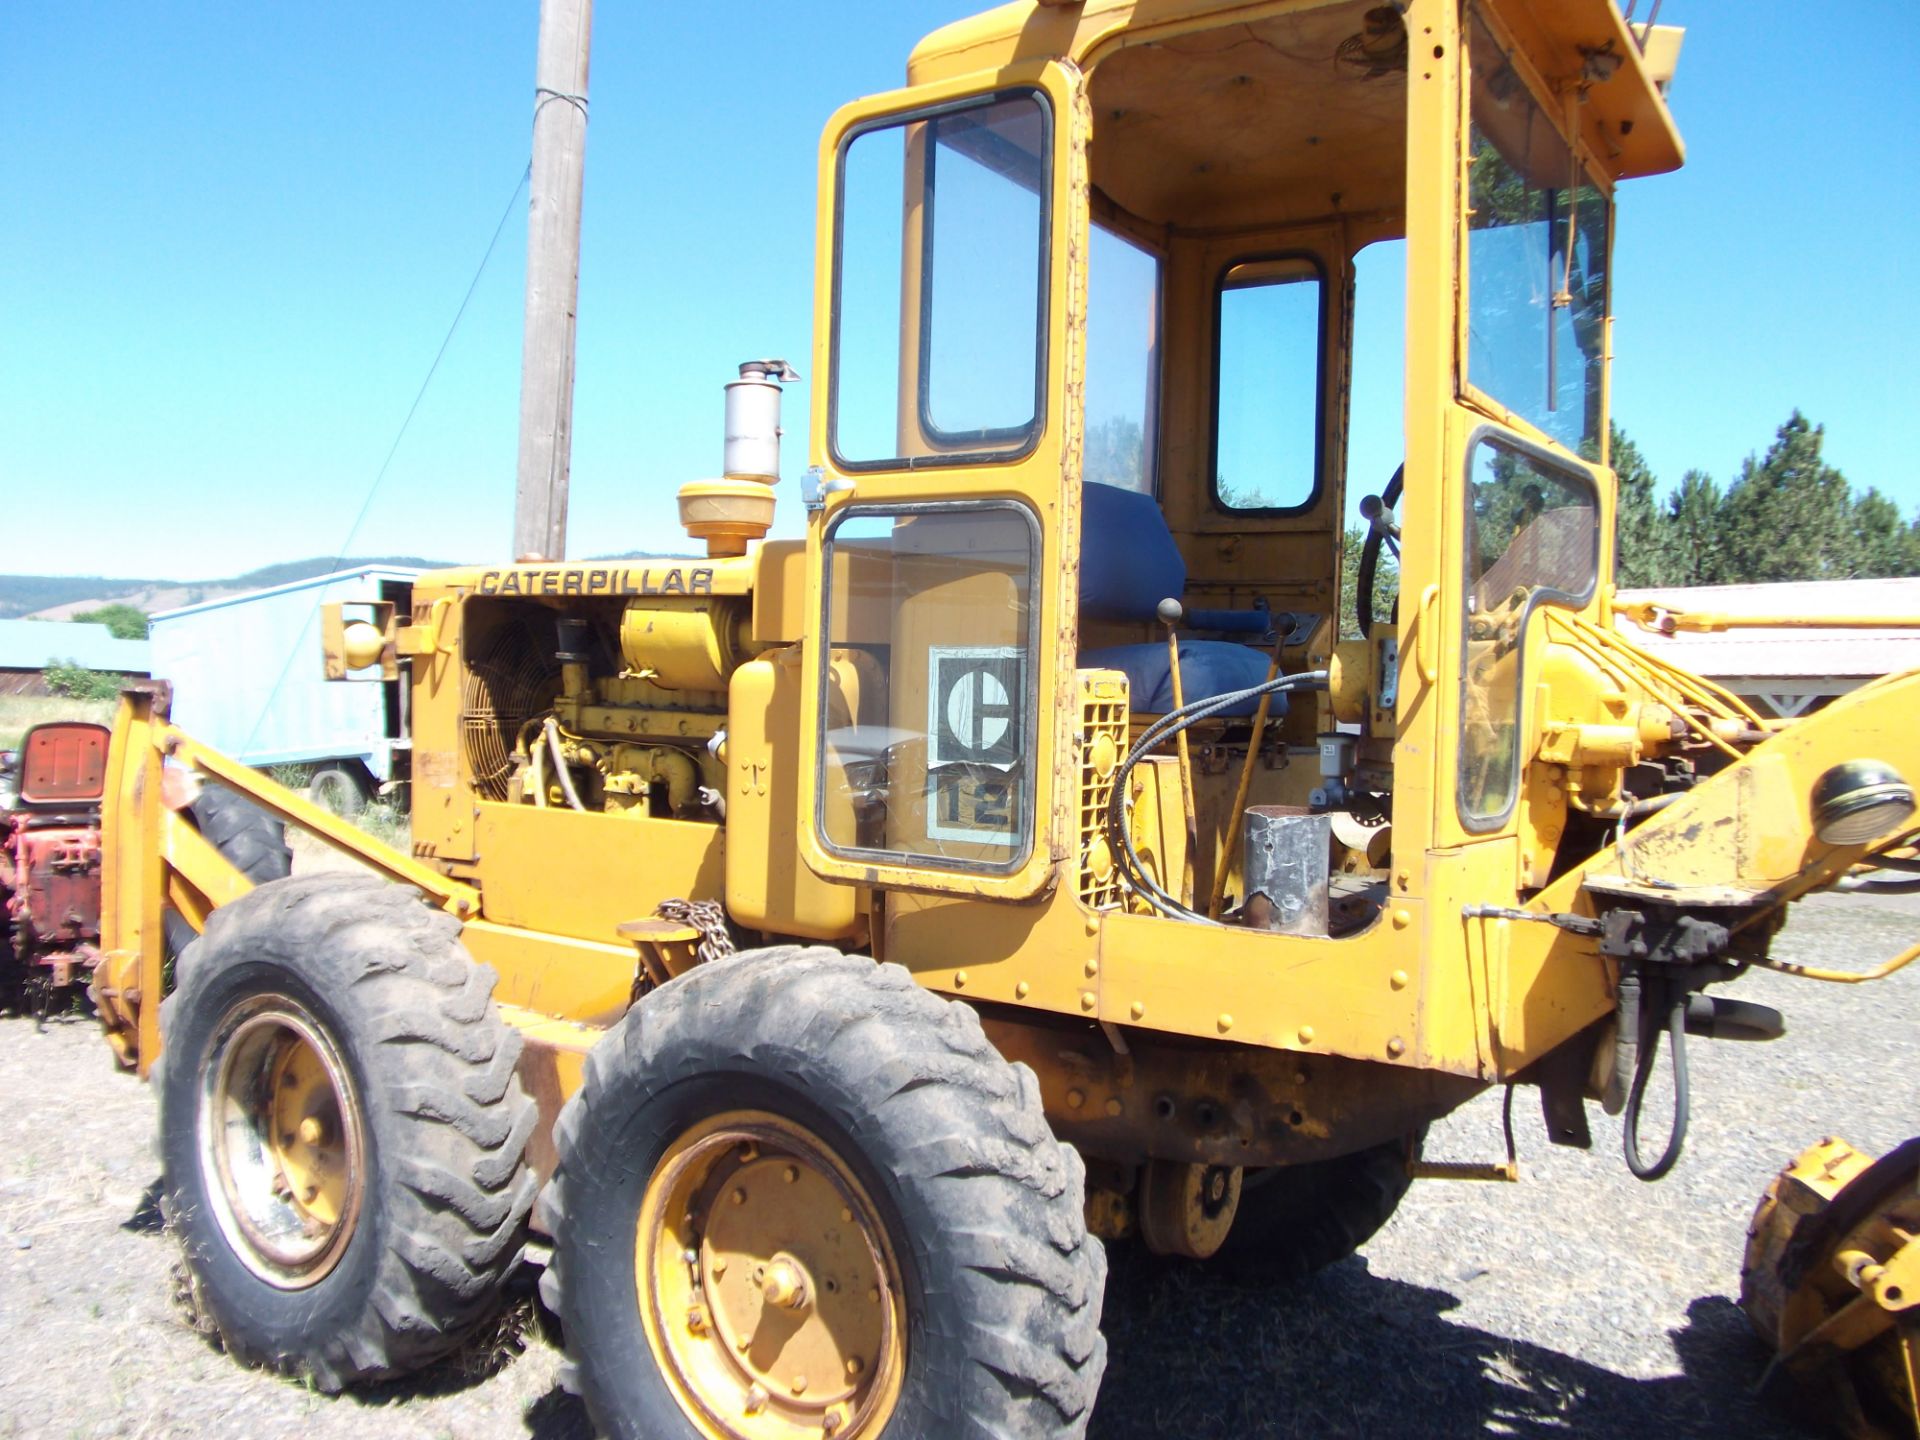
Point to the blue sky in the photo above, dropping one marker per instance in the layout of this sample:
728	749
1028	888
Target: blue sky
236	234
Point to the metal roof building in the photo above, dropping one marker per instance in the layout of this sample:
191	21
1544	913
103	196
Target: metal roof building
27	647
1786	670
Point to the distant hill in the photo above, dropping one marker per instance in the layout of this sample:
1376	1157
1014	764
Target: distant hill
57	597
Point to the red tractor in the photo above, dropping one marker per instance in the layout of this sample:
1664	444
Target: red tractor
50	865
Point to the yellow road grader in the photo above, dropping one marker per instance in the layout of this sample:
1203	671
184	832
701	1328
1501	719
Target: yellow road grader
826	945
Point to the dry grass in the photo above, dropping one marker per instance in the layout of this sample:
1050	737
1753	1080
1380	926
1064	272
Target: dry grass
391	827
20	713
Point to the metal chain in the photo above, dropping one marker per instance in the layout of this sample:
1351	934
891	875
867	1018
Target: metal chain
708	918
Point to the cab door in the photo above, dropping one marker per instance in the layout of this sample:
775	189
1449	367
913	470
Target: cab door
941	532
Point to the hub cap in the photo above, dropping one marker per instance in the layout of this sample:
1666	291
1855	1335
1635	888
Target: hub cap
282	1152
768	1288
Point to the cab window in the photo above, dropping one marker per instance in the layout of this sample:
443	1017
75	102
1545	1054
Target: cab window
1123	362
1532	533
935	766
1269	328
940	285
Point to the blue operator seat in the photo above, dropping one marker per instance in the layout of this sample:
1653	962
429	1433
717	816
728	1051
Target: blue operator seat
1128	565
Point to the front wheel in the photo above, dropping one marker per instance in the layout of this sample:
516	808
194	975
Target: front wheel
799	1196
342	1134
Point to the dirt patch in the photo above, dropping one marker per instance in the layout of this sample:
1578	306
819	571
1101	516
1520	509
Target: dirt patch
1579	1302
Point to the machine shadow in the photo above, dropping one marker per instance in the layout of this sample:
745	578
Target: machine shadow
1349	1353
1345	1353
147	1217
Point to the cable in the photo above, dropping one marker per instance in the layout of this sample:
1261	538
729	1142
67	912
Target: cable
394	449
561	770
1630	1129
1119	840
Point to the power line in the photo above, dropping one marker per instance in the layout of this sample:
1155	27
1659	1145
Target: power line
379	478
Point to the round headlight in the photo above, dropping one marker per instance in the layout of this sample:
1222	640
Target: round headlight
361	644
1858	801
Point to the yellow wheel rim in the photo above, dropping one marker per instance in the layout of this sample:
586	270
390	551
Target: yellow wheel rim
769	1290
282	1147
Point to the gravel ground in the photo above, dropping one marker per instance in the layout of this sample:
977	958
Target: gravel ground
1581	1302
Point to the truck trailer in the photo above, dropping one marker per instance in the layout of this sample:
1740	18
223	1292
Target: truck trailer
246	674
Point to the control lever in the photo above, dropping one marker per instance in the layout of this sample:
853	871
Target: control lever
1374	511
1170	611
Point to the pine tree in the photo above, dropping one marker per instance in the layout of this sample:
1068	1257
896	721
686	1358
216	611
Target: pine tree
1386	583
1640	539
1789	515
1691	542
1883	543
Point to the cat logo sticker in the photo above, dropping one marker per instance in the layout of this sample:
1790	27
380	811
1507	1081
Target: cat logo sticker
976	724
975	704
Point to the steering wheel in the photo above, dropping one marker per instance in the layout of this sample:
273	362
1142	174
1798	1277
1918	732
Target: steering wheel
1370	557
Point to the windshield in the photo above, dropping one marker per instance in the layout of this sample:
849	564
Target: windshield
1536	259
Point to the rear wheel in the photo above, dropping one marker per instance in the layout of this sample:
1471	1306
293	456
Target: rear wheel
342	1133
338	789
1296	1219
252	841
799	1196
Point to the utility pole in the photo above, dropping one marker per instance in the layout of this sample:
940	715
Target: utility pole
553	280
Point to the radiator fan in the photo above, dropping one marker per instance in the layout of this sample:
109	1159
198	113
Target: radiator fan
514	679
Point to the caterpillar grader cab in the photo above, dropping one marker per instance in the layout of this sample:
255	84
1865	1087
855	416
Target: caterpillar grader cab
844	936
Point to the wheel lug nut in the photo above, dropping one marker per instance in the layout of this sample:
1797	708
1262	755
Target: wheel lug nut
312	1131
756	1399
790	1174
738	1197
854	1367
799	1384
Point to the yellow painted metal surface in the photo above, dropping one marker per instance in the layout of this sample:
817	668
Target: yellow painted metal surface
553	1061
682	644
591	981
581	874
1652	615
1831	1282
151	858
771	1297
781	611
767	886
1629	110
1748	831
